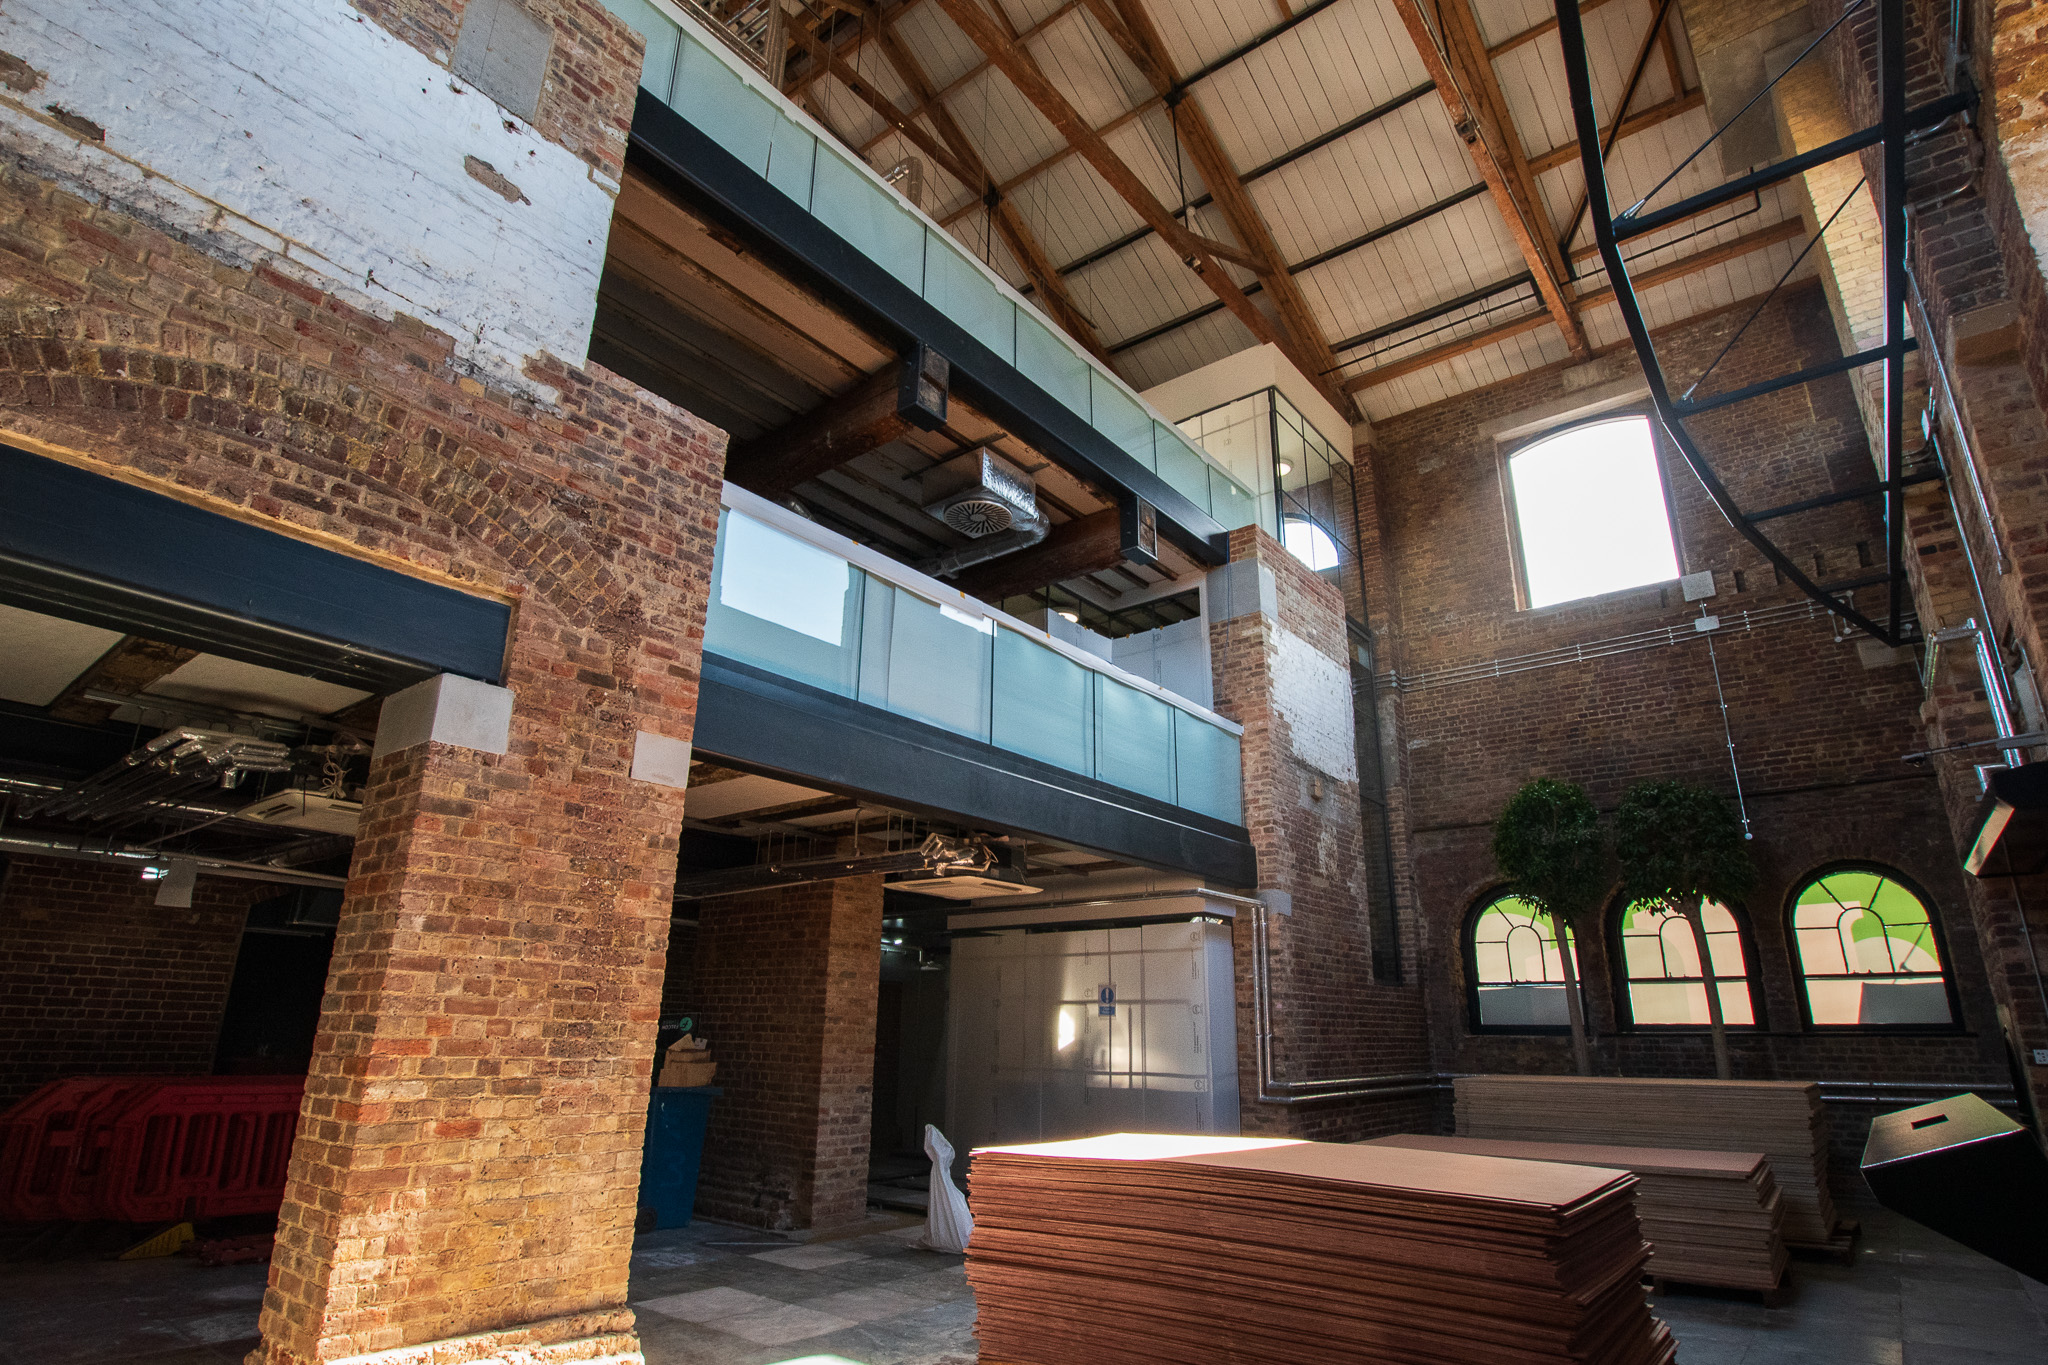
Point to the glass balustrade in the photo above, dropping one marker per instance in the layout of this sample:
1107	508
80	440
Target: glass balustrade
788	597
699	77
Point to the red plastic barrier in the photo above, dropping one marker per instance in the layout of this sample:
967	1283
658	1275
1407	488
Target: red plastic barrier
149	1149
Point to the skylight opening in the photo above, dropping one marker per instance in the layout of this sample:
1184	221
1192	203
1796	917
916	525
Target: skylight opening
1589	504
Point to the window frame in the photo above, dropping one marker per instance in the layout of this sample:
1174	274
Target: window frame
1468	948
1624	998
1935	927
1505	454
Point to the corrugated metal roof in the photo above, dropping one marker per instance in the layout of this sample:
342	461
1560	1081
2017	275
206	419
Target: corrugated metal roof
1349	57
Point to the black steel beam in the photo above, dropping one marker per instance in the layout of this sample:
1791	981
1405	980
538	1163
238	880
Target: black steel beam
1876	490
689	164
1926	116
1586	119
768	723
90	548
1694	407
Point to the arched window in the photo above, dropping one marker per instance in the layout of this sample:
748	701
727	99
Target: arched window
1309	543
1590	514
1660	964
1869	953
1515	970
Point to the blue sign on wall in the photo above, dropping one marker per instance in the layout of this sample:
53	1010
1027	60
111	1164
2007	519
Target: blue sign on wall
1105	1001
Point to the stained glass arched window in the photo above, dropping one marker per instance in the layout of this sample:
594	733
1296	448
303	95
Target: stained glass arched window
1868	952
1517	972
1660	964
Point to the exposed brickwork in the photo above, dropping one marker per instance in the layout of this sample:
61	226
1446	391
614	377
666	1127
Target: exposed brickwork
1329	1019
95	977
469	1151
1818	733
586	103
786	988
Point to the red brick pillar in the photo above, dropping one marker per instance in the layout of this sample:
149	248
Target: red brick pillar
786	988
465	1177
1281	660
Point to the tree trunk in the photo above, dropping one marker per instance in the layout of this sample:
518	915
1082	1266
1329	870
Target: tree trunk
1567	947
1697	918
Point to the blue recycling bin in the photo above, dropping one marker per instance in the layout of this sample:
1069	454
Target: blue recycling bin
674	1149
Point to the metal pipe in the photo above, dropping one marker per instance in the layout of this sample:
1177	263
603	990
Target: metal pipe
1993	682
1932	348
122	856
1021	536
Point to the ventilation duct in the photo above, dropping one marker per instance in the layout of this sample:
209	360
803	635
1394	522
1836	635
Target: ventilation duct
176	764
985	497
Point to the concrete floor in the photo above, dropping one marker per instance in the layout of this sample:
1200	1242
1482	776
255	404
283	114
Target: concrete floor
715	1295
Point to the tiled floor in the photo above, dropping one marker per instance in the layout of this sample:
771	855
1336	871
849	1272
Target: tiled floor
715	1295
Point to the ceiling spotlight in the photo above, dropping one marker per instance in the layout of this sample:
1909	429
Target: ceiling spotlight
1285	468
1070	616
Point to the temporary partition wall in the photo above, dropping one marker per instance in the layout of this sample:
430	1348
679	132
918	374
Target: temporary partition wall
1084	1031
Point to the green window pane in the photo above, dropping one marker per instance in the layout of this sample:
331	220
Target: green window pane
1181	465
1043	704
1209	779
785	605
1867	953
871	218
1123	420
927	662
954	287
1049	360
733	114
792	159
1133	739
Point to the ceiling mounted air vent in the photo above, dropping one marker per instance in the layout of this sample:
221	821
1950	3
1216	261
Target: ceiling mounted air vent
980	493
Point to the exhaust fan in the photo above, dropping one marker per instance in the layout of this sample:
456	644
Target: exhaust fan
980	493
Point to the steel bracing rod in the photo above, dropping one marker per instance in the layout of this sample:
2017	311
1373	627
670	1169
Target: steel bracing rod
1692	408
1586	119
1891	24
1926	116
1876	490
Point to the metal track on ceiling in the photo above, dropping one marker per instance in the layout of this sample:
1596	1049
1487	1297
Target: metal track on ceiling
1896	124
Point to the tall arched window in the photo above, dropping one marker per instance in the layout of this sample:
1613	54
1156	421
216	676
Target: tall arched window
1869	952
1660	965
1590	514
1515	969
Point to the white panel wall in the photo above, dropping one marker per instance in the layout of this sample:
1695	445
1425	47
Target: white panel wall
1176	657
298	133
1032	1058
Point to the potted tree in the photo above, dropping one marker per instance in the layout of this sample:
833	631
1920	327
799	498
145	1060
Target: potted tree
1547	842
1681	846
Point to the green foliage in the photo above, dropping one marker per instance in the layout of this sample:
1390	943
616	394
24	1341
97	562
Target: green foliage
1678	843
1548	843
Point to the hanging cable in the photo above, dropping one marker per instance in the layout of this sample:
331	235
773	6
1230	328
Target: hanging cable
1727	733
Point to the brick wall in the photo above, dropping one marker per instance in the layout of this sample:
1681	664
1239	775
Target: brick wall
1286	679
497	974
96	978
786	989
1819	725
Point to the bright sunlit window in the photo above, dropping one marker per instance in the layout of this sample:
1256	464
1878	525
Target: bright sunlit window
1309	543
1590	508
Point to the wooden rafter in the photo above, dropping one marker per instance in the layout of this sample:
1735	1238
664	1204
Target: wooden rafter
1660	112
1535	31
966	78
1761	238
1131	28
1022	70
941	156
1017	234
794	84
1471	94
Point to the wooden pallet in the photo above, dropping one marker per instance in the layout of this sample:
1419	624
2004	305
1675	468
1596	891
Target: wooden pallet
1840	1248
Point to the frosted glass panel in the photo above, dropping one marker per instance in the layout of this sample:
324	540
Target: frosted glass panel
1134	739
1124	421
1043	704
792	153
1049	360
928	662
785	605
1207	763
711	95
658	70
1182	466
954	287
870	218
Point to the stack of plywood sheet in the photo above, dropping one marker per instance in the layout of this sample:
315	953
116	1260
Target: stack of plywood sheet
1141	1248
1711	1217
1782	1119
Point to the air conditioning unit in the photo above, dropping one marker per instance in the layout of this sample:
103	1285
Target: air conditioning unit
962	888
980	493
306	810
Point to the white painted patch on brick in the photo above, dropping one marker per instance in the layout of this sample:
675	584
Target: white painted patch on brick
299	134
1312	693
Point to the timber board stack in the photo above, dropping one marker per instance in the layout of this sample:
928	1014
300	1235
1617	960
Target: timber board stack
1782	1119
1711	1218
1162	1250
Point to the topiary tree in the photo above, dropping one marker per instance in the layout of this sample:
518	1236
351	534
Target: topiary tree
1548	843
1681	846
